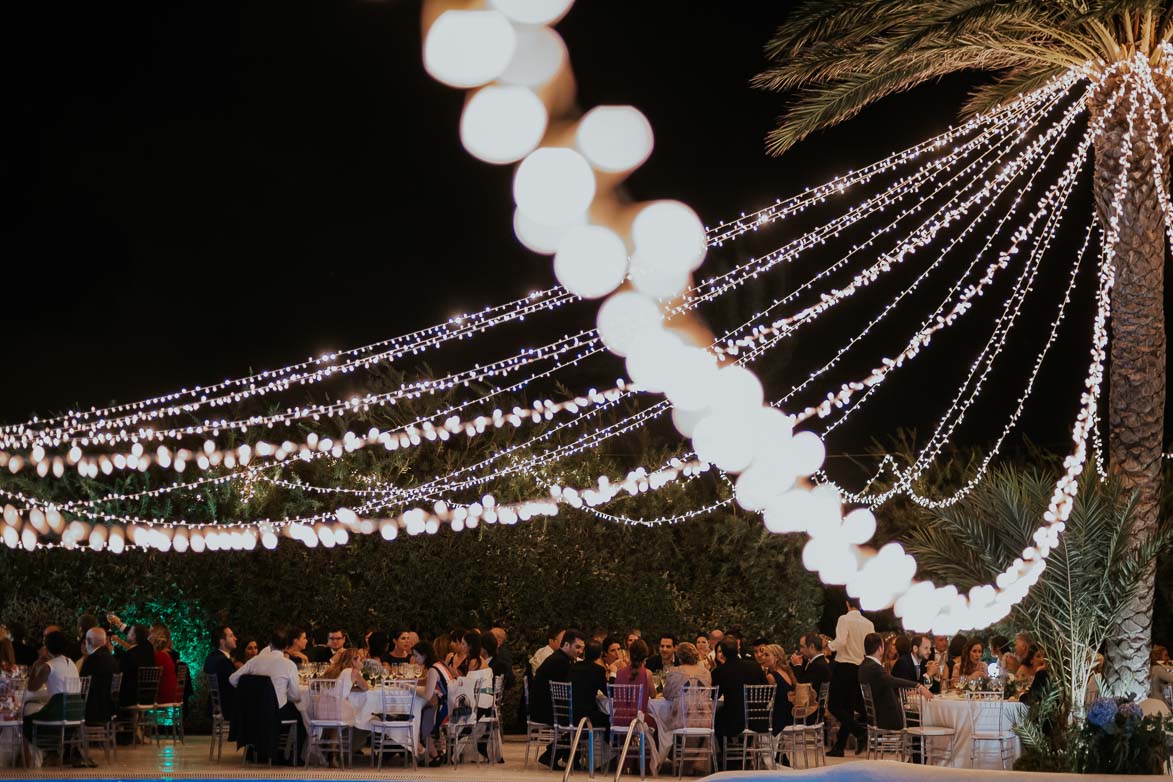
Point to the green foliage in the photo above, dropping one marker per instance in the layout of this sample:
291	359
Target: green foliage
1118	739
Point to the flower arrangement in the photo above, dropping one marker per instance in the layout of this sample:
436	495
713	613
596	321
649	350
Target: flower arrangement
1117	738
372	671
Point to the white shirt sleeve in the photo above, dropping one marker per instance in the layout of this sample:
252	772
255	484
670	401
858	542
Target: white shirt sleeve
247	668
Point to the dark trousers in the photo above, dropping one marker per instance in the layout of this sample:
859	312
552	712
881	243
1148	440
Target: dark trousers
289	712
845	702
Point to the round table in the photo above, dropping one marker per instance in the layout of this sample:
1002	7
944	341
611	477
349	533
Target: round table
950	711
370	702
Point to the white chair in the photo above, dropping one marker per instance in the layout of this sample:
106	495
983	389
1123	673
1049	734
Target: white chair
103	735
566	724
220	724
989	726
70	728
143	708
623	705
496	746
395	730
806	735
933	743
698	718
536	733
756	742
470	715
12	691
881	741
329	730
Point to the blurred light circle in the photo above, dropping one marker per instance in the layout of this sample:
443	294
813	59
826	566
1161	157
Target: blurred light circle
693	377
859	526
615	138
808	451
686	420
625	316
652	358
469	48
554	185
736	388
539	55
502	124
659	283
669	234
790	511
540	238
591	261
725	440
533	11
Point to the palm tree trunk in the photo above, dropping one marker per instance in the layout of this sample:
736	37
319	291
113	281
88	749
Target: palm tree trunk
1136	378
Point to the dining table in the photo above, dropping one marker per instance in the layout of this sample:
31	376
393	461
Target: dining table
952	710
366	704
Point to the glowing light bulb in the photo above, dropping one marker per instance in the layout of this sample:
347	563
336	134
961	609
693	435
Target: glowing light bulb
623	317
468	48
539	55
540	238
502	124
615	138
591	261
668	235
554	185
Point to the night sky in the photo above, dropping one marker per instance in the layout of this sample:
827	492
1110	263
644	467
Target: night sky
196	190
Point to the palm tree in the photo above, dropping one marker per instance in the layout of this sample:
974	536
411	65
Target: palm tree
837	56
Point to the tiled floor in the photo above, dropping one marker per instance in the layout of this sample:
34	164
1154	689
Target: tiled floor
190	761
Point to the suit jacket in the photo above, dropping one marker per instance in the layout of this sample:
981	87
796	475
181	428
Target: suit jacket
889	712
220	666
587	681
816	672
502	665
656	662
100	667
129	661
319	654
906	667
556	668
729	678
255	721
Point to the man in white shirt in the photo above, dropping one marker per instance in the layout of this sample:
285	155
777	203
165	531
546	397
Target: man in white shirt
553	642
272	662
845	700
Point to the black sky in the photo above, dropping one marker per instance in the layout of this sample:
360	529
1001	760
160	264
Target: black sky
194	190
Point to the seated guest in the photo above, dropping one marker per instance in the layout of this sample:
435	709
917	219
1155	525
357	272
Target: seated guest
346	670
730	676
7	656
816	670
454	657
492	656
219	665
335	642
168	691
884	686
996	649
553	642
1008	665
715	637
956	649
667	656
890	653
613	656
502	657
1040	680
377	648
283	674
401	651
470	653
781	675
52	670
99	664
319	651
1028	665
689	671
434	694
133	653
180	665
588	678
758	650
84	623
636	672
245	652
556	668
704	650
1022	645
297	644
971	660
1160	677
915	662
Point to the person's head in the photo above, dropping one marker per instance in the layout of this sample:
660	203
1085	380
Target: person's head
687	654
554	638
773	657
715	637
872	644
612	650
279	639
702	645
940	643
998	644
377	645
903	645
440	646
632	637
56	643
1009	663
573	644
49	628
667	646
1022	644
424	654
500	634
638	653
7	655
957	645
726	651
890	648
1029	659
733	636
1040	658
489	645
592	652
224	639
922	646
402	640
95	639
1159	654
251	649
759	647
972	656
139	634
84	623
470	644
851	603
336	639
297	639
811	646
345	658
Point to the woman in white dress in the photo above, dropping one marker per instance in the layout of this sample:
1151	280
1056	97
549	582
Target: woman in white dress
51	677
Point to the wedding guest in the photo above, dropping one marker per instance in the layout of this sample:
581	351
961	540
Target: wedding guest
890	653
84	623
758	649
346	669
470	653
884	686
99	664
51	670
440	647
556	668
377	645
996	649
1028	665
73	649
689	671
168	691
704	650
730	677
219	664
503	657
134	653
7	656
297	644
336	641
845	700
636	672
491	653
319	651
1022	644
782	677
971	660
246	652
588	679
613	656
1160	677
434	693
283	674
1008	665
816	670
716	636
164	640
941	653
916	661
401	651
553	641
957	646
1041	678
667	656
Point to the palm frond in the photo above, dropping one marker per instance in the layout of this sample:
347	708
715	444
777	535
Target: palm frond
1018	81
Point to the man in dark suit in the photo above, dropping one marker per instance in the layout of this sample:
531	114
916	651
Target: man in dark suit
914	661
555	668
729	677
889	712
503	659
667	656
219	664
810	664
100	666
588	678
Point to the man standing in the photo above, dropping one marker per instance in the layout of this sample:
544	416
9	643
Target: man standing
667	657
99	664
845	700
219	665
730	677
889	712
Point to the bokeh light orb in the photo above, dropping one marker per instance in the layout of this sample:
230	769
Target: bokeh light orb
623	317
469	48
538	56
669	235
502	124
615	138
554	185
533	11
539	237
591	261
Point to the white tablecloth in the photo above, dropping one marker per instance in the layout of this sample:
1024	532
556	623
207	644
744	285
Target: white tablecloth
371	702
660	710
955	713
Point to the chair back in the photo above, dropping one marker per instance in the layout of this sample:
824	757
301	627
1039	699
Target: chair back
562	703
181	675
115	687
698	707
869	704
985	710
625	701
325	700
84	686
11	699
498	692
483	686
759	707
148	683
398	700
73	706
912	705
214	695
